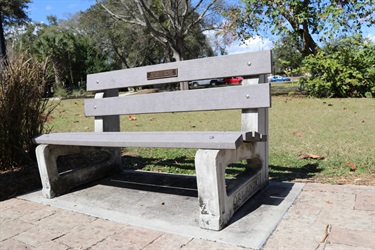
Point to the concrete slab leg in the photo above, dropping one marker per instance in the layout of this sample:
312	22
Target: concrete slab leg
216	206
55	183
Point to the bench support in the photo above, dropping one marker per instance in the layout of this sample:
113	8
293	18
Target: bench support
216	204
55	183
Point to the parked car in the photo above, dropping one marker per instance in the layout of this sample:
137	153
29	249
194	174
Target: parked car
207	82
279	79
233	80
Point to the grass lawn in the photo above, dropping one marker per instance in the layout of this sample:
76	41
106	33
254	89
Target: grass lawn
340	131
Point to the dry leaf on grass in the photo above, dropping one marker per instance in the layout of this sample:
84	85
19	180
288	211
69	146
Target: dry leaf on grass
299	134
352	166
310	156
132	118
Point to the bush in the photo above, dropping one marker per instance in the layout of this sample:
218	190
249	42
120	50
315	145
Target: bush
23	111
344	69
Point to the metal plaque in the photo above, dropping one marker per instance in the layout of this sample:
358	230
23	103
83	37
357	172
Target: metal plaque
167	73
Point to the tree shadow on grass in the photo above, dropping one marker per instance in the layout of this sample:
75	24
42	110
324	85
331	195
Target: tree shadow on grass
280	173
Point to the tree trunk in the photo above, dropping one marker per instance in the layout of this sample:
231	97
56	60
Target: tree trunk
179	54
309	45
57	70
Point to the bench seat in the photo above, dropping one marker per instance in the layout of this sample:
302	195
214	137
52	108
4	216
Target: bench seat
178	139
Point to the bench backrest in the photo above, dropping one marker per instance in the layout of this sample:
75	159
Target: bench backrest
107	104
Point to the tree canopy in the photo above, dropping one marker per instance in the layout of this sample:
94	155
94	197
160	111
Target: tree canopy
169	22
309	21
11	12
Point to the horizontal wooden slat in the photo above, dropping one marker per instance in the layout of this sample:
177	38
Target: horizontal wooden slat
235	97
202	140
245	64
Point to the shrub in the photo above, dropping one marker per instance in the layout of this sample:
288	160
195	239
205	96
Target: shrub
23	111
345	69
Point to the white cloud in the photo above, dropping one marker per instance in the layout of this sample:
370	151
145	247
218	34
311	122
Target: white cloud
371	37
49	7
253	44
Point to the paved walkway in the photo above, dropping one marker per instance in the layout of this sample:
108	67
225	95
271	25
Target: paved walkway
323	217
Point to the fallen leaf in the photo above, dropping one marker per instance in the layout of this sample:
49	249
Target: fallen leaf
299	134
132	118
310	156
152	118
352	166
137	125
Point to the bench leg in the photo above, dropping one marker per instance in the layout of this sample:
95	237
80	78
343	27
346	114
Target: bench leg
55	184
216	206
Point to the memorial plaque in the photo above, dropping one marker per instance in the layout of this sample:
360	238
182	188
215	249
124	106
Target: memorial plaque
167	73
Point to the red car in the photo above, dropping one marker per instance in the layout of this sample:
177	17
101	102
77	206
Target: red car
233	80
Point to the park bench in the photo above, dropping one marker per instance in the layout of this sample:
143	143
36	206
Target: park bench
215	149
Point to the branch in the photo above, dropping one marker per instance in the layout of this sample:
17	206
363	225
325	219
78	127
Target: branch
201	16
137	21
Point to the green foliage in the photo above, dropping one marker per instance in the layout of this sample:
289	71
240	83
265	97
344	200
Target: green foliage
72	55
302	19
287	54
342	69
23	111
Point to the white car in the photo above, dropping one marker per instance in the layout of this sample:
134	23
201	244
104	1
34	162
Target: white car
207	82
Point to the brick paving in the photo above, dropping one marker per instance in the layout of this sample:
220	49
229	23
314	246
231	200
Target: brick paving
323	216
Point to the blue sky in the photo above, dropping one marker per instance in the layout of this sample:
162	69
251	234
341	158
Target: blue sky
39	9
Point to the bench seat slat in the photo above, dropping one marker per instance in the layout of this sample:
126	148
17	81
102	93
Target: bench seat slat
238	97
201	140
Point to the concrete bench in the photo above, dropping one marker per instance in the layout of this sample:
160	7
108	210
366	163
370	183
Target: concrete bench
216	149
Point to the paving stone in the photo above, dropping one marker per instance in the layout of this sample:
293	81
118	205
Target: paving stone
42	213
8	215
110	243
129	237
12	228
36	236
365	201
304	213
12	244
65	221
328	199
53	245
10	203
199	244
169	242
344	247
28	207
354	238
345	218
292	234
338	188
89	234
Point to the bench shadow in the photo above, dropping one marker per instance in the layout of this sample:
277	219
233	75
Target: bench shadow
281	173
134	177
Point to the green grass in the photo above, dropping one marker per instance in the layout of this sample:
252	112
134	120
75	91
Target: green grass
340	130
